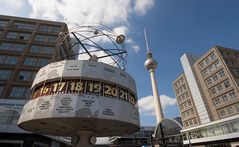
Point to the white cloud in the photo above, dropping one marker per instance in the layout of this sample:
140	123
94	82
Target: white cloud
135	48
133	45
48	9
12	7
121	30
141	6
82	11
146	104
107	12
111	13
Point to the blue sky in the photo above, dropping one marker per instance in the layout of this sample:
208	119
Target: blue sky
174	27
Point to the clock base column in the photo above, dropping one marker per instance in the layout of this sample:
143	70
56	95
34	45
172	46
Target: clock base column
84	139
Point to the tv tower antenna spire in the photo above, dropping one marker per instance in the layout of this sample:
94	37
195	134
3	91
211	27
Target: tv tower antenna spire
151	65
146	40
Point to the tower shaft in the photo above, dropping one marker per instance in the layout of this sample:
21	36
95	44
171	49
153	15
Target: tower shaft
157	102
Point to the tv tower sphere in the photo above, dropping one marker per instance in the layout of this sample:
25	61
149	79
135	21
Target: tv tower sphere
150	63
86	98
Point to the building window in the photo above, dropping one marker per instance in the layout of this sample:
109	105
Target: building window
210	132
183	97
45	38
12	35
206	60
226	84
184	87
219	88
237	72
17	92
27	93
186	105
35	49
195	121
50	29
181	107
19	47
188	113
222	112
30	62
41	49
183	115
48	50
36	62
186	95
5	113
215	78
2	59
201	64
204	73
5	74
6	46
26	76
209	81
221	73
40	38
24	26
217	64
237	107
216	101
24	36
210	68
3	23
43	62
1	89
12	47
192	112
212	56
224	98
229	110
20	92
10	114
213	91
11	60
16	35
232	95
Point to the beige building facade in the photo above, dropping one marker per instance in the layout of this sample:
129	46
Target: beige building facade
186	105
211	84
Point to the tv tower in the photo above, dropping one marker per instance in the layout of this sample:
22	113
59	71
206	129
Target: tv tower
151	65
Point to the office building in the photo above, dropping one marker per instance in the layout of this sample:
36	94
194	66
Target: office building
208	97
26	45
